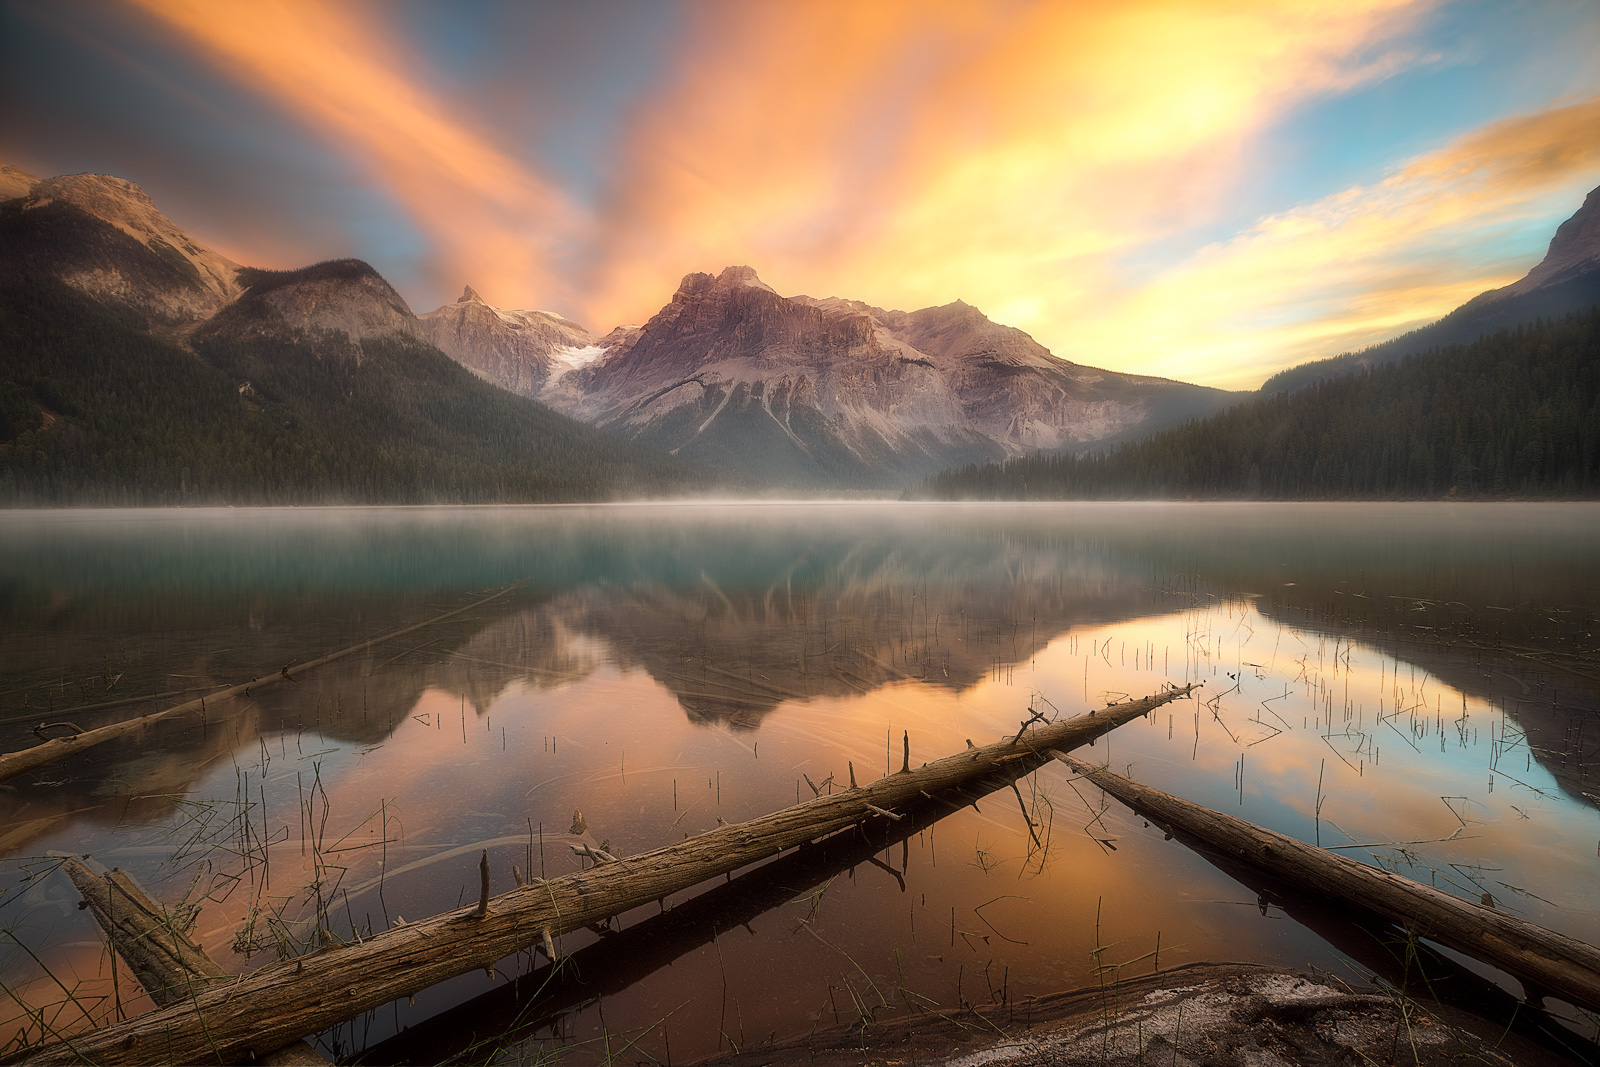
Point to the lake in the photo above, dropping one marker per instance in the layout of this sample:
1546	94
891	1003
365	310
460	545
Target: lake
1414	684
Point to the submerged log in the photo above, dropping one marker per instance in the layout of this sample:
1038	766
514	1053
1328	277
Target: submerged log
539	998
169	966
1405	962
288	1000
1544	961
15	763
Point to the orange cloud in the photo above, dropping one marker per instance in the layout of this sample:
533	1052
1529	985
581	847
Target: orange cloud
912	153
1013	153
1361	265
490	215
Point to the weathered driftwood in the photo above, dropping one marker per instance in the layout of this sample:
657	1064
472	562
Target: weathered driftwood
288	1000
1544	961
15	763
169	966
1405	962
500	1017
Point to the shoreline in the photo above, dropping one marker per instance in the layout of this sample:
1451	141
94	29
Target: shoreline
1217	1014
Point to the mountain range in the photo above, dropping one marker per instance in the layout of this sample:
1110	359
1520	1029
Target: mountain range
812	391
745	386
139	366
1500	398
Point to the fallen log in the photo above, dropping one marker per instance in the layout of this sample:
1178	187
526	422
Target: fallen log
291	999
497	1019
1404	962
1544	961
169	966
15	763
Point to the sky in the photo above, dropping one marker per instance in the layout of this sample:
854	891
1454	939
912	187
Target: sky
1209	191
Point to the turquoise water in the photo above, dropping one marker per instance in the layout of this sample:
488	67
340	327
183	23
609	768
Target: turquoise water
1426	672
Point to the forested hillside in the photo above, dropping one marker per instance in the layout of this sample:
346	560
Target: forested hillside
1516	414
1566	281
95	411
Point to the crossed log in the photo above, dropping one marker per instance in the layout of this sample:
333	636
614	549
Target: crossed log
166	962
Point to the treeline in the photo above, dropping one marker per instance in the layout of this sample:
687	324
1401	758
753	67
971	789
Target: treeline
1516	414
94	411
1481	316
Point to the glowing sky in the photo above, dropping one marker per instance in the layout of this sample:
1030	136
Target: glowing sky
1207	191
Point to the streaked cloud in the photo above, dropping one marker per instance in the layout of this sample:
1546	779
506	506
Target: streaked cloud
1361	265
489	213
1074	169
912	154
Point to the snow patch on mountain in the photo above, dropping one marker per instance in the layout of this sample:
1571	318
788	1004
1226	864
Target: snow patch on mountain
527	352
565	358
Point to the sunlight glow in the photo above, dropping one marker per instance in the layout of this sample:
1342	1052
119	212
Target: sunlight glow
1066	168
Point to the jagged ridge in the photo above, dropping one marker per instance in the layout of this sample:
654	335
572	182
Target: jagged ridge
134	373
817	391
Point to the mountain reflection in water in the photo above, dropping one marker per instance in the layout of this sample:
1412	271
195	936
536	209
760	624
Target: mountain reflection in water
1427	673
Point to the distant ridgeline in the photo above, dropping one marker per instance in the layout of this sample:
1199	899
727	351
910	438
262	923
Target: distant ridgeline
96	411
1516	414
138	367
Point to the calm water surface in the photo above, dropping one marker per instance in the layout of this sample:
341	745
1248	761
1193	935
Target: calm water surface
1429	671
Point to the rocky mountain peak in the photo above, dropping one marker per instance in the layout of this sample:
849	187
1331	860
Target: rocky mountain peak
105	195
1577	241
731	278
1574	251
1566	281
956	311
523	351
620	335
129	208
340	296
741	276
153	267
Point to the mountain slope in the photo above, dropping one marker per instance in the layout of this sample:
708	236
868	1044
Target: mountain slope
731	372
104	237
122	417
816	392
339	297
1514	414
1567	280
15	182
516	350
310	386
1021	395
